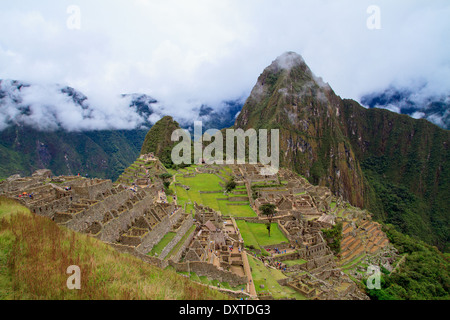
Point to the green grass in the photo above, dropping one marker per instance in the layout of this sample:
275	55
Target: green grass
236	211
202	182
256	234
268	277
291	263
209	182
156	251
333	205
180	243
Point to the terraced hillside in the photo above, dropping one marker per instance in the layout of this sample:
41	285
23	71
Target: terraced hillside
35	254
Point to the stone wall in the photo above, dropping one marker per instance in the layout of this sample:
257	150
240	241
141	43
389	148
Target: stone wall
131	250
96	212
177	256
281	246
203	269
289	256
186	225
92	188
116	227
158	232
50	208
313	251
284	231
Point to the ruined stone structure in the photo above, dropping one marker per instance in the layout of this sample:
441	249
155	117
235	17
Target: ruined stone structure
217	244
134	215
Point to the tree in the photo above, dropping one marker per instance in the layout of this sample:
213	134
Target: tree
269	211
166	176
268	225
166	180
231	185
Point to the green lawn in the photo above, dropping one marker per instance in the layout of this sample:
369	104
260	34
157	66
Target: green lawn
162	244
209	182
291	263
202	182
256	234
236	211
247	234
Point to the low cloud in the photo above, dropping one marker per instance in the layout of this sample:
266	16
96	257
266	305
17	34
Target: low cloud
49	108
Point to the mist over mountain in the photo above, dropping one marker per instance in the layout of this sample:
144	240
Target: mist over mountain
62	129
413	101
52	107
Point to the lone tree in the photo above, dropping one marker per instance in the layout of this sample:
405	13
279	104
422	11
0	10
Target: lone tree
166	180
231	185
269	211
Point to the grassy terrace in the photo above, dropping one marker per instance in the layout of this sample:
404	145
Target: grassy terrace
35	254
268	278
156	251
291	263
180	243
256	234
209	183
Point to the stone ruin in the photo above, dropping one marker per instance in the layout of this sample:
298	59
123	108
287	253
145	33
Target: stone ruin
116	214
217	243
132	216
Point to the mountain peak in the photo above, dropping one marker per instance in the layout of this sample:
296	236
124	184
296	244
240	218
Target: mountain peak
288	60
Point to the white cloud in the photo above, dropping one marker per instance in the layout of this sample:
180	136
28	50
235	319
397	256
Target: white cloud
418	115
185	53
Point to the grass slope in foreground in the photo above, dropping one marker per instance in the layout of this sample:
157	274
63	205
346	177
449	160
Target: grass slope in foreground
35	254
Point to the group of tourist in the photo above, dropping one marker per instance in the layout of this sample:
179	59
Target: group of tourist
280	266
277	251
26	195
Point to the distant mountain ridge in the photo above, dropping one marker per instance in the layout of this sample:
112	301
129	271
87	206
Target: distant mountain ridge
412	102
56	107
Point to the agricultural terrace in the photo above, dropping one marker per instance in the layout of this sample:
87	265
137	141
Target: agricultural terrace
208	190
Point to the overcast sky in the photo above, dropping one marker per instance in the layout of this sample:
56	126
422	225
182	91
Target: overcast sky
205	51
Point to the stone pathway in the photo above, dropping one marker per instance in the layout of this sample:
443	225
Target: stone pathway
250	285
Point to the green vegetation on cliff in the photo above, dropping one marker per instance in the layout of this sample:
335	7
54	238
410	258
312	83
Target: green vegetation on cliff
159	140
422	274
101	154
407	166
